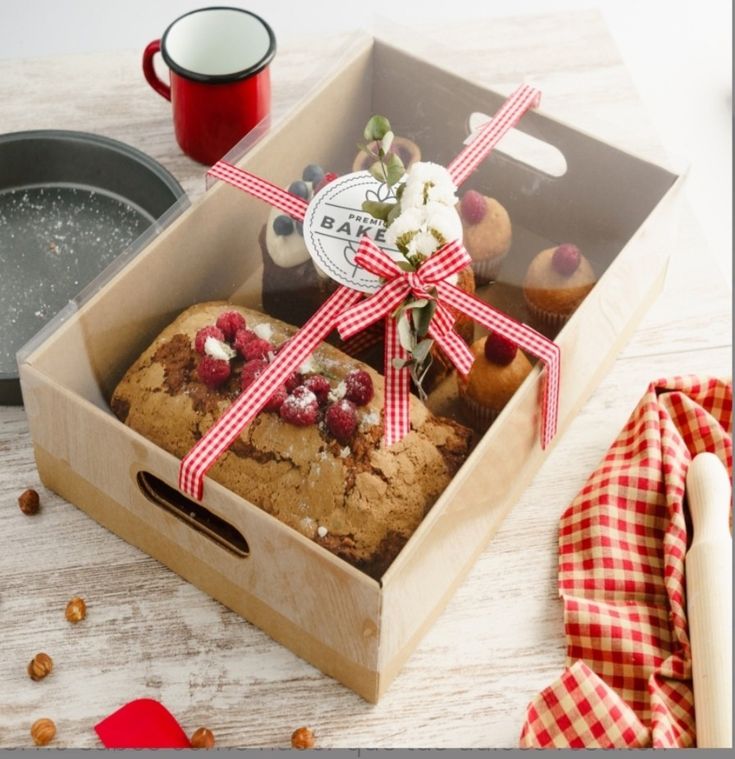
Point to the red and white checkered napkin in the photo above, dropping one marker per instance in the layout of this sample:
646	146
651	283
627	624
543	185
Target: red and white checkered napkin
622	544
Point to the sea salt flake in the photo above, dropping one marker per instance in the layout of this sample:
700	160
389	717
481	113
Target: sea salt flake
322	531
345	452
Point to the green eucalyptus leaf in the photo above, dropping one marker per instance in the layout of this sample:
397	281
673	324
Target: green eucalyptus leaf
427	366
399	191
418	303
421	351
376	128
399	363
378	171
422	317
394	169
386	142
376	209
394	214
405	335
405	266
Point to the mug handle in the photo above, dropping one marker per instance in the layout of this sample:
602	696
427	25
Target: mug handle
163	89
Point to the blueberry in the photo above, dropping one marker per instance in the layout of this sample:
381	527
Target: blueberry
300	228
299	188
313	173
283	225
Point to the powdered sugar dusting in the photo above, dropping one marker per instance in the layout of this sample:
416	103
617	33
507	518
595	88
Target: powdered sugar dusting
370	419
54	241
338	392
217	349
264	330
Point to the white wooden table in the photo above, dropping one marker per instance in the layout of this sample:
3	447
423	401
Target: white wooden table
150	634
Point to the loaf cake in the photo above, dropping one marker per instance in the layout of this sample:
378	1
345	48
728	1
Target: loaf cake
315	459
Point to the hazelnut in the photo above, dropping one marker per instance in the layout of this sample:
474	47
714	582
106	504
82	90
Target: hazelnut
76	610
202	738
40	666
43	731
29	502
302	738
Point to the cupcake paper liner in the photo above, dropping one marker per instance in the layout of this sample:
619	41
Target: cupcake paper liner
479	416
547	317
487	270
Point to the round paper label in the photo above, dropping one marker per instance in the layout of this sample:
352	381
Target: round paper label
335	223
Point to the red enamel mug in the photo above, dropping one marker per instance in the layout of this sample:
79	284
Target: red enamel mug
220	84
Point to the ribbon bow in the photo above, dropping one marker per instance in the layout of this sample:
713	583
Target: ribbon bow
347	310
434	274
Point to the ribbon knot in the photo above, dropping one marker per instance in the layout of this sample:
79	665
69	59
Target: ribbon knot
399	284
417	286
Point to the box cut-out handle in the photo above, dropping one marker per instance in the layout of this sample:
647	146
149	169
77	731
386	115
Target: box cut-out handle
192	513
523	147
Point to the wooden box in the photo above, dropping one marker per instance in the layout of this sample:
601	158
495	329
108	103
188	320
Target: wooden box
352	627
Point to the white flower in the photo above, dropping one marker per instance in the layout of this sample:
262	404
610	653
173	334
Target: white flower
443	222
404	226
422	230
424	243
425	182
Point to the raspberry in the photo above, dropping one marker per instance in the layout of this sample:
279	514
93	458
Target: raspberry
250	371
213	371
330	176
256	348
359	387
473	207
202	336
242	337
300	408
293	381
499	350
319	385
566	259
276	400
341	420
229	323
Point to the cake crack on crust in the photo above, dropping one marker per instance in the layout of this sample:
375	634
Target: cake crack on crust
353	497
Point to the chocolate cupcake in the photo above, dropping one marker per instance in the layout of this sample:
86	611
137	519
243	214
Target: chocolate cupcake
487	234
498	371
557	281
293	286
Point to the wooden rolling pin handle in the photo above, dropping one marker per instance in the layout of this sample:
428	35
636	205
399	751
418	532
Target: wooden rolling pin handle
709	599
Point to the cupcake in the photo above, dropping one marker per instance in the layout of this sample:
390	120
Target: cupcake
556	282
293	286
407	150
498	371
486	234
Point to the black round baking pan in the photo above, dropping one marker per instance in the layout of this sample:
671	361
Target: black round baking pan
70	202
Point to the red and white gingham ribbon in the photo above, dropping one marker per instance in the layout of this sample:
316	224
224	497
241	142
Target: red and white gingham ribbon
435	272
506	118
294	205
292	354
342	308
